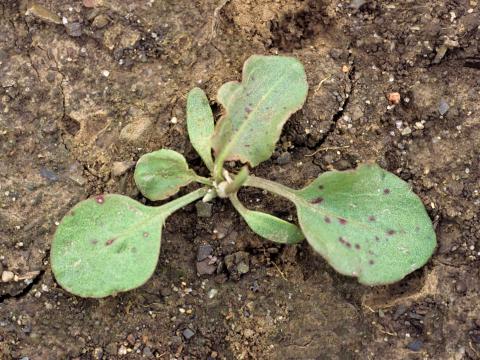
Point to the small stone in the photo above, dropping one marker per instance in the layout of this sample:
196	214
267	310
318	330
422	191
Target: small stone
243	268
100	21
89	3
131	339
129	39
147	352
415	345
136	130
205	268
7	276
48	174
212	293
111	348
406	131
121	167
248	333
204	209
74	29
188	333
402	309
461	287
98	353
204	251
284	158
43	14
419	125
443	107
122	350
394	98
105	73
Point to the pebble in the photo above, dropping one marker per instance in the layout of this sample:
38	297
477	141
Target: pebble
212	293
122	350
7	276
111	348
121	167
204	209
43	14
48	174
415	345
188	333
284	158
98	353
205	268
394	98
74	29
443	107
204	251
461	287
136	130
406	131
100	21
106	73
147	352
238	262
89	3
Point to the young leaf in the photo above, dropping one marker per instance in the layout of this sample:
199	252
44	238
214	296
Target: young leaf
162	173
272	89
268	226
366	223
106	245
200	125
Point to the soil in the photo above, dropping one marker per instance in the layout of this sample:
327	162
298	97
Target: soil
86	84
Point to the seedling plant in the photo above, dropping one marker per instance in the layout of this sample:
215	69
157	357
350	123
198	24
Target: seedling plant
366	222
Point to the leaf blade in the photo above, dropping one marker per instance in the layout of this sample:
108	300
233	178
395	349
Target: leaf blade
366	223
272	89
200	124
105	245
162	173
268	226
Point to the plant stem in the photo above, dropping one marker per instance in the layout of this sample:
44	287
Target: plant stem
203	180
172	206
272	187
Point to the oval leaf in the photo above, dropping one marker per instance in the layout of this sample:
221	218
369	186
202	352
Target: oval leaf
162	173
200	125
269	226
272	89
106	245
366	223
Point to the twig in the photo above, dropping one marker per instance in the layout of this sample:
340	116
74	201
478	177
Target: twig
328	148
321	83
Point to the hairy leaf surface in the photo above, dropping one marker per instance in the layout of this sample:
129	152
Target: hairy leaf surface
366	223
162	173
200	125
272	89
106	245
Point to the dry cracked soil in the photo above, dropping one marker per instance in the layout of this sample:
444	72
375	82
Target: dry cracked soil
87	87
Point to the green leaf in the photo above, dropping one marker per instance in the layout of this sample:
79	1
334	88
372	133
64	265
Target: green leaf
272	89
366	223
106	245
268	226
110	243
200	125
162	173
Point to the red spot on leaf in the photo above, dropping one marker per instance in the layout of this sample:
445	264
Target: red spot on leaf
357	246
248	109
342	221
100	199
390	232
327	219
371	262
317	200
110	241
386	191
371	218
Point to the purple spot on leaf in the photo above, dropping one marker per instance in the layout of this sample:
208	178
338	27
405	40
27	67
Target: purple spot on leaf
342	221
371	218
248	109
316	200
110	241
99	199
386	191
357	246
390	232
94	241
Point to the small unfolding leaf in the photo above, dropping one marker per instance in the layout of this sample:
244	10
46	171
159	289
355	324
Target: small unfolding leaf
366	223
272	89
200	124
162	173
268	226
106	245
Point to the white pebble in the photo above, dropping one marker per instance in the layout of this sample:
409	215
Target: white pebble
105	73
174	120
7	276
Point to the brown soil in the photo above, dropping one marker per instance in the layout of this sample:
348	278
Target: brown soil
104	87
